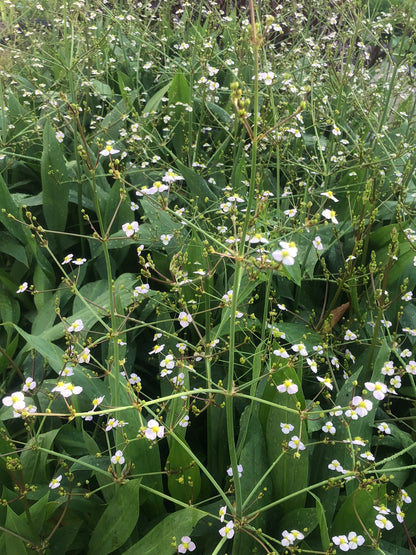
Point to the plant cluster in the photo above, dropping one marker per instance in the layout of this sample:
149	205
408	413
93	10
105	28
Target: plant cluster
208	247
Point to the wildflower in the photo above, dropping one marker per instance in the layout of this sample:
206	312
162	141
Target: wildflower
329	428
287	386
29	384
22	287
312	365
111	423
55	482
411	367
336	465
336	130
228	297
118	458
388	368
67	259
165	238
362	406
382	509
405	496
289	538
134	379
330	195
239	469
153	430
179	379
108	149
228	530
79	261
67	371
378	389
142	289
130	228
281	353
300	348
407	296
287	255
15	400
84	356
384	428
406	353
383	523
59	136
186	545
368	456
184	422
67	389
184	319
399	514
168	362
295	443
223	512
77	326
286	428
330	215
349	336
291	212
325	381
317	243
341	542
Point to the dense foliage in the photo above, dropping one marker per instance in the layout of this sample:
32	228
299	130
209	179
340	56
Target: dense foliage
208	251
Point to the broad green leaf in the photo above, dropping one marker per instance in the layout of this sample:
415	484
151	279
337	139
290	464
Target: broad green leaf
358	506
39	513
19	525
153	104
184	479
198	186
8	205
290	474
323	525
300	519
159	540
34	461
118	520
55	181
12	247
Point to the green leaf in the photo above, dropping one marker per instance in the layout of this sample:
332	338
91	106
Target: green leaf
9	245
55	181
8	205
153	104
159	540
290	474
184	479
357	507
118	520
323	525
34	461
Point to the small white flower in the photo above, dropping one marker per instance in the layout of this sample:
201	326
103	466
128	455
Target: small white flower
295	443
405	496
108	149
378	389
154	430
184	319
55	482
22	287
330	195
130	228
384	428
118	458
60	136
239	469
76	327
330	215
15	400
383	523
29	384
165	238
317	243
286	428
349	336
287	386
142	289
329	428
228	530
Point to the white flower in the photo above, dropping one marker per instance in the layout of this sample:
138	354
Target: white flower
317	243
286	428
399	514
15	400
186	545
165	238
118	458
326	382
76	326
228	530
239	469
341	542
287	254
407	296
184	319
130	228
67	389
384	428
336	465
329	428
67	259
405	496
383	523
84	356
184	421
287	386
361	406
295	443
228	297
411	367
108	149
79	261
142	289
300	348
55	482
349	336
168	362
59	136
330	195
223	512
378	389
154	430
330	215
29	384
22	287
281	353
